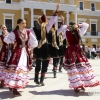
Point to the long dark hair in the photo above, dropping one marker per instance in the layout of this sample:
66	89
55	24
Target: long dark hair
18	22
78	37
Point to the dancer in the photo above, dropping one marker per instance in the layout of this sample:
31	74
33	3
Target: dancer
56	46
61	43
53	48
20	61
80	73
4	53
42	51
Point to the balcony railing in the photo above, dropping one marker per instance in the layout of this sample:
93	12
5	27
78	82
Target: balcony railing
93	33
93	8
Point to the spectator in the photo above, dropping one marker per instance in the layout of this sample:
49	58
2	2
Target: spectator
87	52
98	52
93	51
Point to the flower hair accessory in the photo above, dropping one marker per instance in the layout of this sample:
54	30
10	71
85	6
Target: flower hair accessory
72	27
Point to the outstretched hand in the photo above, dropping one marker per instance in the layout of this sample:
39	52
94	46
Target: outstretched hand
75	26
57	7
62	17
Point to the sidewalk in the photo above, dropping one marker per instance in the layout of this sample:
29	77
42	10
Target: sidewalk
55	88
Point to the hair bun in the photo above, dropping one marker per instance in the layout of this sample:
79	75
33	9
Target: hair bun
72	23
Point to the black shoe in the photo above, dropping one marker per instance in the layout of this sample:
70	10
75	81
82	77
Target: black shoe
2	84
42	84
10	89
82	88
76	90
54	73
36	82
16	93
36	79
60	70
41	81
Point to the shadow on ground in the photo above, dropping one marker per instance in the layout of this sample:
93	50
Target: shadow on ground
61	92
6	95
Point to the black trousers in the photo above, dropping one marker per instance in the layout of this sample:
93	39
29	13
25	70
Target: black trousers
44	66
61	60
55	62
92	55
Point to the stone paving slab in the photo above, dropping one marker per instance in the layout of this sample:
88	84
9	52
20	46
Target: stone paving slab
55	88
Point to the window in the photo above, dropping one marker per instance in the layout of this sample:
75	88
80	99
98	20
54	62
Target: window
8	1
92	6
8	23
81	5
93	29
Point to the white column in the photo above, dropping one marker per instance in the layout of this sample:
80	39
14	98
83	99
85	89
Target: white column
4	20
32	17
22	13
12	21
67	18
75	17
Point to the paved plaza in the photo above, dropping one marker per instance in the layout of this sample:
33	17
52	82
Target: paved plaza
55	88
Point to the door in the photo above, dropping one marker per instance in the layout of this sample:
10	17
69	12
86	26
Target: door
93	29
8	1
8	23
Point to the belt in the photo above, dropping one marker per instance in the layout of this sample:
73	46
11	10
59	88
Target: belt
21	46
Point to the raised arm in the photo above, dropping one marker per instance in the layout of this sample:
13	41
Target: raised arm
10	38
52	20
63	27
83	28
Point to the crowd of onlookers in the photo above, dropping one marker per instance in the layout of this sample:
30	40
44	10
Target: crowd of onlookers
91	52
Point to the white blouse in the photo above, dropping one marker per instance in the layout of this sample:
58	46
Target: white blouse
48	26
10	38
82	30
50	23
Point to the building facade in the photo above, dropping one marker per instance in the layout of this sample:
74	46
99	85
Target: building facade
73	10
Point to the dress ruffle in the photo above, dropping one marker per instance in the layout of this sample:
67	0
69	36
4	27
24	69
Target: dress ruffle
82	76
2	73
17	78
79	70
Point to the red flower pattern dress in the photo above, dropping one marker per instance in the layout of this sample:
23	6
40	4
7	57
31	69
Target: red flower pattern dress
20	62
4	53
79	70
